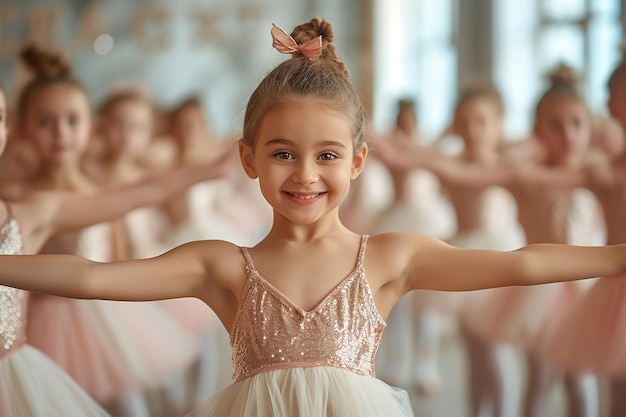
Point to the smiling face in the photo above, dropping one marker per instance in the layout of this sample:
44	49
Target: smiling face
58	122
305	159
563	125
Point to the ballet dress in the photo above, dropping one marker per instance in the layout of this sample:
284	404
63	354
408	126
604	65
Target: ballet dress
31	384
110	348
291	362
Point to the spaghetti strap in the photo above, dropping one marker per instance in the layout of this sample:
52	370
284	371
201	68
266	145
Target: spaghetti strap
249	264
361	257
7	206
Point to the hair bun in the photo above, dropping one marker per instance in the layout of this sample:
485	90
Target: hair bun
319	27
564	76
312	29
43	63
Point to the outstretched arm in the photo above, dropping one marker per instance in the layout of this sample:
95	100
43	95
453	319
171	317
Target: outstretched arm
407	156
71	211
435	265
181	272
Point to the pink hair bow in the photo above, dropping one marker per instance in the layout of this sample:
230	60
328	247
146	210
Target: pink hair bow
285	44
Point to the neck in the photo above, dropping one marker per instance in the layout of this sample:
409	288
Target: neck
118	158
567	163
284	229
483	157
117	162
61	174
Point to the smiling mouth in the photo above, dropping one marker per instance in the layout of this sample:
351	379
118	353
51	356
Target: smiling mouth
304	197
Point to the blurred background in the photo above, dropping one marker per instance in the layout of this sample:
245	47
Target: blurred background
420	49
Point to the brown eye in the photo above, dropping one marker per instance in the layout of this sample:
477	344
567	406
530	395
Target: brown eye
74	120
328	156
46	122
283	155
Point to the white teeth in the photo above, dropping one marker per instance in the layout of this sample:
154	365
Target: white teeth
305	197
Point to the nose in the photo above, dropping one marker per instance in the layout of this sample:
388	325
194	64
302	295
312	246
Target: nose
305	173
61	133
570	137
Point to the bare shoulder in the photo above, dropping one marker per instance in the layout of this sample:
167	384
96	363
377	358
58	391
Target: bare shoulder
390	262
213	251
222	260
390	254
223	266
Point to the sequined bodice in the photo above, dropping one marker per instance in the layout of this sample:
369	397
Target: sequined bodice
12	301
270	332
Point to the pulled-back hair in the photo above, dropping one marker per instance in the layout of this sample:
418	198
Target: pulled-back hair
48	68
407	104
325	78
190	102
132	95
481	90
563	83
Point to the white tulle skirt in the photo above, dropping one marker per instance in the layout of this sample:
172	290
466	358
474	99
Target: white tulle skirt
31	385
307	392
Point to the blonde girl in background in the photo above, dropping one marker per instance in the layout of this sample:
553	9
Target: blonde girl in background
588	338
31	384
114	350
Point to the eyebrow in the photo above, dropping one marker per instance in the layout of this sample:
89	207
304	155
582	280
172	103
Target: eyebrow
280	141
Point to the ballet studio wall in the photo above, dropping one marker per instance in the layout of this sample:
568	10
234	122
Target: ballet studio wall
218	49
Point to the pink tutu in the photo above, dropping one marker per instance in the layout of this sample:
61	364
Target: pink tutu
193	314
516	315
590	336
110	348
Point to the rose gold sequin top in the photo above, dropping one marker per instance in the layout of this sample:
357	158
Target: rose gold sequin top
271	332
12	301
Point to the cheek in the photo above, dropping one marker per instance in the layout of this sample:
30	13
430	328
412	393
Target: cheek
42	140
83	136
342	175
141	140
3	137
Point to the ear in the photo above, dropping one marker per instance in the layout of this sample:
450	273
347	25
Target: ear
246	155
358	161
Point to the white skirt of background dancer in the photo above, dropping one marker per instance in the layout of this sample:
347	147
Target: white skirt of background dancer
230	209
110	348
426	211
370	194
516	315
146	230
499	230
31	384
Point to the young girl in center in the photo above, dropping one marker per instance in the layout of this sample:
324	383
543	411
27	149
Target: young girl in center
305	307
